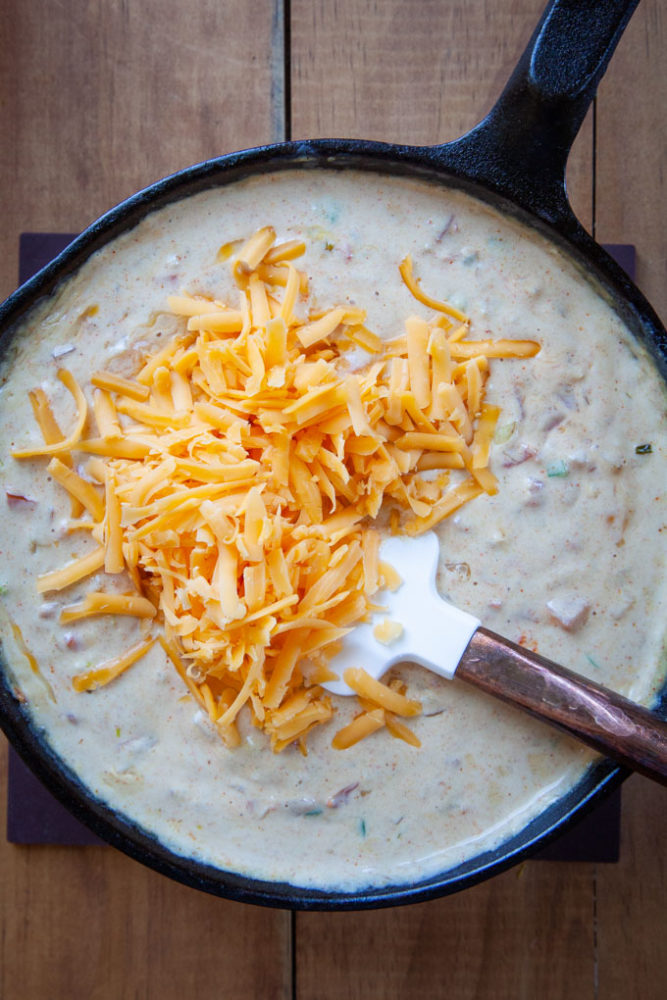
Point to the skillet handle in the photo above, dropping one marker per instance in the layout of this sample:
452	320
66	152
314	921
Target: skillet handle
520	149
618	728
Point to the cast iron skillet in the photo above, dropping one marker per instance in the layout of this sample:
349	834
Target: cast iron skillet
515	160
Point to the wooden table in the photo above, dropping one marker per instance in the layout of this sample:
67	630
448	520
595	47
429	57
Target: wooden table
100	98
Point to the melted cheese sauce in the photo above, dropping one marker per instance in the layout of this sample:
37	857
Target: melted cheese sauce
567	558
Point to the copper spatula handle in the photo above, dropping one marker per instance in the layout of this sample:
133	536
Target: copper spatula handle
616	727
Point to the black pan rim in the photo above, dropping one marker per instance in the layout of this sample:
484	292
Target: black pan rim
430	163
436	164
600	779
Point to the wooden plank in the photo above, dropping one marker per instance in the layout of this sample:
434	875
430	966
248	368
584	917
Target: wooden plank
89	922
423	73
99	99
412	72
631	190
630	900
418	73
525	934
632	149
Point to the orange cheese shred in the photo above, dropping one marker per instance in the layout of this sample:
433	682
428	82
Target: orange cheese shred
412	283
67	443
106	672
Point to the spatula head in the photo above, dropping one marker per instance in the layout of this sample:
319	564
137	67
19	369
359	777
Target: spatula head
432	632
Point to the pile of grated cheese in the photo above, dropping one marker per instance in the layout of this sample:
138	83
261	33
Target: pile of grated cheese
238	481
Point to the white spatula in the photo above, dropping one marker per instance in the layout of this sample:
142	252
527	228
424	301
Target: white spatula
440	637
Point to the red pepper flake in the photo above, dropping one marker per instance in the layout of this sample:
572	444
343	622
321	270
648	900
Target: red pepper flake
527	642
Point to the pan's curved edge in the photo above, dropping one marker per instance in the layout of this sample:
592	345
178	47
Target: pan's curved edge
435	163
118	831
418	162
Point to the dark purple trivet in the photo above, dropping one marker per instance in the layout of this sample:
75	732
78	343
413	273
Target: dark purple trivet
35	817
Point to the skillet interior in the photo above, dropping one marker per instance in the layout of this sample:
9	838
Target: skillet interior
422	164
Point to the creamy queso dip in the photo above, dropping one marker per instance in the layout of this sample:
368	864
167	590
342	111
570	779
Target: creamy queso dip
566	558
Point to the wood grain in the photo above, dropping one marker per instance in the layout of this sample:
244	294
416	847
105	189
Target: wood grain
89	924
630	901
422	72
631	149
102	98
525	934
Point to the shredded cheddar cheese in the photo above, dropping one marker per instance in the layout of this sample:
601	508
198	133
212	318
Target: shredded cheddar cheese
237	478
388	631
91	679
